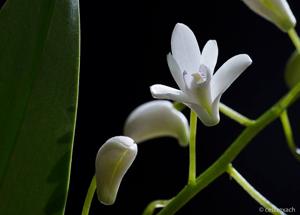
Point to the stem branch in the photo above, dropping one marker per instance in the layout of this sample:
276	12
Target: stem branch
235	115
288	132
253	192
89	197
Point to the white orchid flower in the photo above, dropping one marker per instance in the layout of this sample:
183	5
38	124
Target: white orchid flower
157	119
200	88
114	158
275	11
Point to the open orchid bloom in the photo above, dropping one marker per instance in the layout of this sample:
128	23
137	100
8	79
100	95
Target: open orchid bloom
275	11
157	119
114	158
199	87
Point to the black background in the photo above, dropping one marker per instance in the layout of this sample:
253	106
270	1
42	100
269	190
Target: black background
124	47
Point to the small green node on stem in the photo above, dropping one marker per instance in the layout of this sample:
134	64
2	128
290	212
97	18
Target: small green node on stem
149	210
179	106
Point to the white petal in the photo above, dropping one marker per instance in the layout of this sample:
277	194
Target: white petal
210	55
185	48
175	71
275	11
157	119
113	159
160	91
228	72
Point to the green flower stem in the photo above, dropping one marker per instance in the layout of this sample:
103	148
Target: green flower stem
192	145
252	191
289	134
89	197
235	115
220	165
154	205
294	38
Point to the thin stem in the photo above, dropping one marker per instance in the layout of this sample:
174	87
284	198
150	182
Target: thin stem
193	131
154	205
294	38
89	197
288	132
253	192
235	115
220	165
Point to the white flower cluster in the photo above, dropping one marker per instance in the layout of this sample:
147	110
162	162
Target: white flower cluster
200	88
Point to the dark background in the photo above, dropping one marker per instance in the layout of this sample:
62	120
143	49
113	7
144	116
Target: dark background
124	47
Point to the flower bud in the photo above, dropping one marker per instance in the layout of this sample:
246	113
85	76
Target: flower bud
292	70
114	158
276	11
157	119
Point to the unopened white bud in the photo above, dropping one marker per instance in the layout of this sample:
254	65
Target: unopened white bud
114	158
276	11
157	119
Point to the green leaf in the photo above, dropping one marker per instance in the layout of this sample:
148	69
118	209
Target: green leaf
292	70
39	67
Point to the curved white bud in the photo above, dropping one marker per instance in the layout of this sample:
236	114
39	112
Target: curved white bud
276	11
157	119
114	158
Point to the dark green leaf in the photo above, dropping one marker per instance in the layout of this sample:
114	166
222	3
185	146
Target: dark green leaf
39	60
